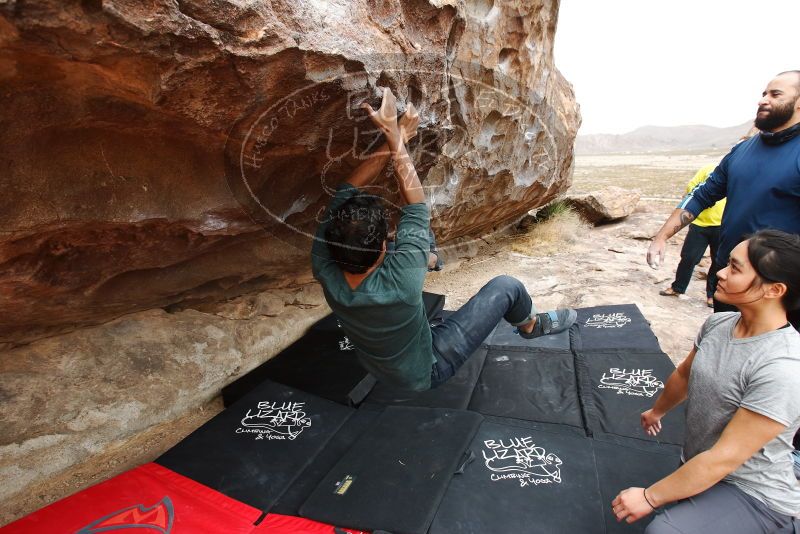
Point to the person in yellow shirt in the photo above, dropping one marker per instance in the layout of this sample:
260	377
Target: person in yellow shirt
703	233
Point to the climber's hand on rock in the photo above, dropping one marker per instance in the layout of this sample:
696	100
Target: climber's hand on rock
409	122
386	117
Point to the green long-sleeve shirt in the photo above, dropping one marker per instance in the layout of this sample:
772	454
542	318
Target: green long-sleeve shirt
384	317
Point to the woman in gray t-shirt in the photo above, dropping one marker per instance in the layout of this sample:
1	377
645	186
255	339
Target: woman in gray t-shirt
741	384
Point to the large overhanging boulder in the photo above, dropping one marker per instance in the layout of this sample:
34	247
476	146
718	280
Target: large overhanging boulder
162	153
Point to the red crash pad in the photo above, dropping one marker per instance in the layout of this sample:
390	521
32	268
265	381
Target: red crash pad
150	499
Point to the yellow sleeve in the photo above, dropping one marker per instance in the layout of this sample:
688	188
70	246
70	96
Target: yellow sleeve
700	177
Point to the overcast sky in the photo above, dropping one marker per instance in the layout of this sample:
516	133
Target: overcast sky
667	63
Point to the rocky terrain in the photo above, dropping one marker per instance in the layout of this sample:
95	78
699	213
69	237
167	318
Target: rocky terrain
164	164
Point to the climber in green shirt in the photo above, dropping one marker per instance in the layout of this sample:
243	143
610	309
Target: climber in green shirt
377	294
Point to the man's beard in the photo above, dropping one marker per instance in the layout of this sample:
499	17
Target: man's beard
775	118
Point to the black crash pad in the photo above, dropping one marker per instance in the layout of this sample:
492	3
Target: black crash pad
523	480
256	448
616	387
322	362
624	464
358	424
613	327
504	336
394	477
528	385
455	393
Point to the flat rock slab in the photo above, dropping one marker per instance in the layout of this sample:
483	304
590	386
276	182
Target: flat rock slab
609	204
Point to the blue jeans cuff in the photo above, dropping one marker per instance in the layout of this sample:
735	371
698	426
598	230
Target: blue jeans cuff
529	318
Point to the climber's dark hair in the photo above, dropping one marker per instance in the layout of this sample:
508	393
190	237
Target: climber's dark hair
775	256
357	231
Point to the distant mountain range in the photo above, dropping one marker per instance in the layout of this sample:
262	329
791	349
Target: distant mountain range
661	139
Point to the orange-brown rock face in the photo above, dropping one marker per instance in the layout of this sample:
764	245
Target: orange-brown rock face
166	152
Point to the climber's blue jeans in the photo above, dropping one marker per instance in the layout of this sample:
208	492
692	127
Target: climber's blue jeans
461	334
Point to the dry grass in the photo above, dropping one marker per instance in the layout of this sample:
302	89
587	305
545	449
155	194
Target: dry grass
550	236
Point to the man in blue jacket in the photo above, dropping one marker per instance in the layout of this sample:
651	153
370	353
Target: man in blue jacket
760	177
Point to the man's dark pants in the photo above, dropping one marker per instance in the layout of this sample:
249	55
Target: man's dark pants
694	246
